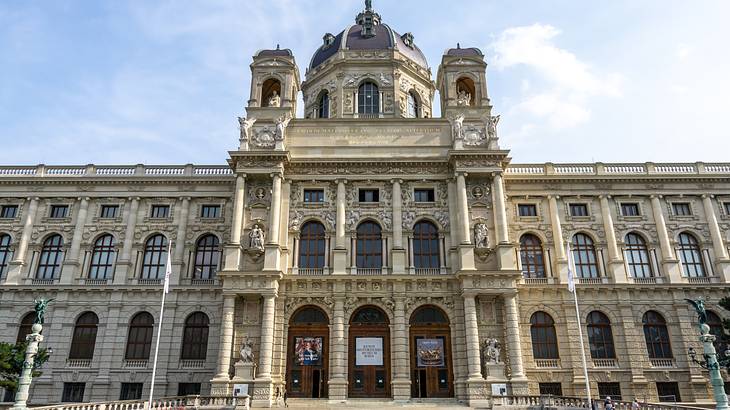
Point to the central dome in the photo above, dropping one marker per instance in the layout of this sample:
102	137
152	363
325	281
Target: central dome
368	34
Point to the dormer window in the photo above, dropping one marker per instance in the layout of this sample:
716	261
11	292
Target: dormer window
328	40
407	39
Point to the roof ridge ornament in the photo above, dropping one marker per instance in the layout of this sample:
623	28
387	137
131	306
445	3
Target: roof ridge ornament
368	5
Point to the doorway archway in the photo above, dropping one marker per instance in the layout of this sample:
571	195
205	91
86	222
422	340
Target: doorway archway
307	353
431	368
369	353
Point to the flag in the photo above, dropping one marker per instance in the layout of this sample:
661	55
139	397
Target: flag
168	269
571	280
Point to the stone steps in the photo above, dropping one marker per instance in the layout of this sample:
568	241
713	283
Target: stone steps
369	404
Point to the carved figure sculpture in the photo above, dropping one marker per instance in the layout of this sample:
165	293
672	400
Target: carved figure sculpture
457	128
40	309
245	125
274	99
492	126
463	98
481	236
256	238
281	124
247	355
492	350
699	306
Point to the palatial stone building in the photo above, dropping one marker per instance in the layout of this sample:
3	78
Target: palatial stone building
366	250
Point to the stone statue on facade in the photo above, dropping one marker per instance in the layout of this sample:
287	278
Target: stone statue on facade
481	236
245	125
281	124
274	100
463	98
256	238
492	350
247	355
457	127
40	310
492	126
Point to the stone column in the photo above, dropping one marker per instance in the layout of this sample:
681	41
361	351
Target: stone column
338	382
500	212
72	264
401	368
124	265
471	328
275	215
178	256
670	264
14	274
512	334
233	250
226	341
399	252
717	243
561	261
615	261
339	254
463	208
267	338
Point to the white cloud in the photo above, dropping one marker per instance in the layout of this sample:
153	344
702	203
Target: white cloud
683	51
558	113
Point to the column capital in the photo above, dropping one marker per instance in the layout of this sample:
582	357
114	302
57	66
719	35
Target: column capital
461	174
133	198
551	196
83	198
604	196
708	196
185	198
279	174
241	175
497	174
656	196
341	181
396	180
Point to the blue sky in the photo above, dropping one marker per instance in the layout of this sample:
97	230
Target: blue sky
158	82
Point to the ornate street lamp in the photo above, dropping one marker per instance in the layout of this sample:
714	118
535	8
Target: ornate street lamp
710	362
34	339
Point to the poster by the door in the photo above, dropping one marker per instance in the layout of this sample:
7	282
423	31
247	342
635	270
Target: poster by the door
430	352
308	350
368	351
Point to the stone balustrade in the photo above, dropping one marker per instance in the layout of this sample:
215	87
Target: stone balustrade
561	402
194	402
115	171
599	168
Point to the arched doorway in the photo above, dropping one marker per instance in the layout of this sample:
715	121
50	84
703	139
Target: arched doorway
369	353
307	354
431	368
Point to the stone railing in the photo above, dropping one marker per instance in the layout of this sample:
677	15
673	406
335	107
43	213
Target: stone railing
662	363
172	403
106	171
560	402
599	168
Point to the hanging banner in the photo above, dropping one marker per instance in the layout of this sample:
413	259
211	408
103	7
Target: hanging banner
368	351
430	352
308	350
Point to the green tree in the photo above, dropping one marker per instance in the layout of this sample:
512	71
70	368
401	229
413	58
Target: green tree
12	357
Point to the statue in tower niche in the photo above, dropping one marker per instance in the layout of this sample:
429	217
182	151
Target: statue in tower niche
274	99
457	127
281	124
245	125
481	236
463	98
256	239
492	122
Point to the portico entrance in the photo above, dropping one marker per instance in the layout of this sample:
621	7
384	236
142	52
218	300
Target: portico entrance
431	368
307	353
369	353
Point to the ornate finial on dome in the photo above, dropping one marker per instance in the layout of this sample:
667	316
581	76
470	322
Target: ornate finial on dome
368	19
368	5
277	46
458	45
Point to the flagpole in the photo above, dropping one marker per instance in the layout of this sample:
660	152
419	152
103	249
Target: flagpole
571	287
168	269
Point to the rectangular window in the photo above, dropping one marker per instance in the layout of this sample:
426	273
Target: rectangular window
555	389
9	211
527	209
109	211
59	211
629	209
314	195
210	211
424	195
578	210
612	390
185	389
668	391
369	195
681	209
131	391
160	211
73	392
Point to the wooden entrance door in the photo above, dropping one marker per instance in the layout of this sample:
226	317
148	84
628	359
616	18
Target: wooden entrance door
431	367
369	354
307	354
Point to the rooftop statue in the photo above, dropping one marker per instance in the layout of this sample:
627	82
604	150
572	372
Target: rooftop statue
40	309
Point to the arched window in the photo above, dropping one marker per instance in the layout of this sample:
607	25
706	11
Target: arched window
600	336
428	315
690	255
323	105
84	337
637	257
426	246
656	336
533	262
5	253
309	315
49	265
584	256
412	107
717	330
25	327
102	258
368	99
544	338
155	257
139	340
312	246
207	257
369	245
195	337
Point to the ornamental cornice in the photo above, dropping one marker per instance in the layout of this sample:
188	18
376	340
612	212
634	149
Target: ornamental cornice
374	168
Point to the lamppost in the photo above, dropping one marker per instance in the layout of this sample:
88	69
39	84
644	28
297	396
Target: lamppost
34	338
710	362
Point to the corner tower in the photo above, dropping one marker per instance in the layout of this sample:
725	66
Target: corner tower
462	83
